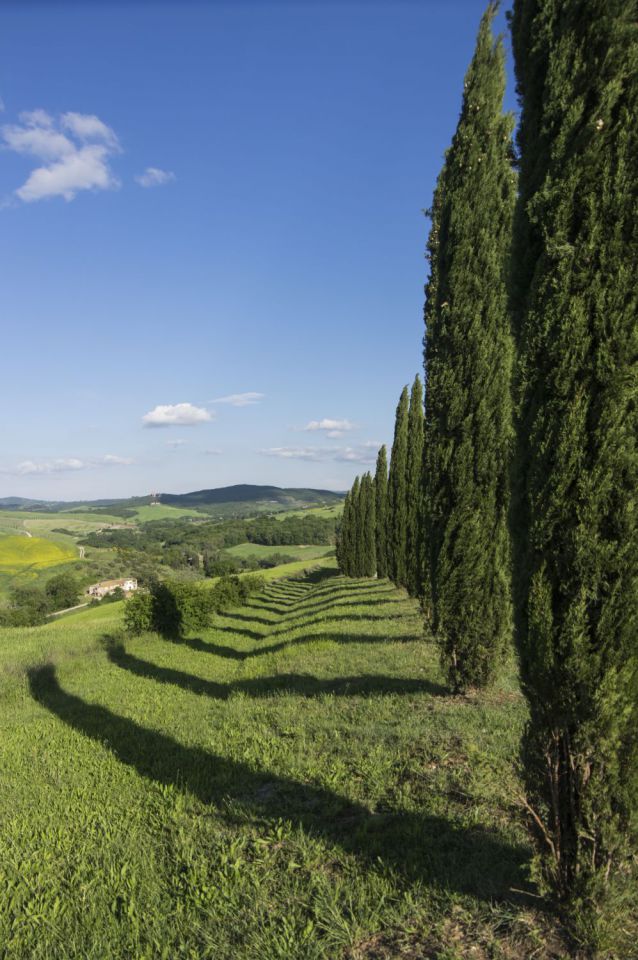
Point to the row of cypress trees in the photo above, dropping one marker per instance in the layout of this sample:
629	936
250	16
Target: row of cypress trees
380	528
511	509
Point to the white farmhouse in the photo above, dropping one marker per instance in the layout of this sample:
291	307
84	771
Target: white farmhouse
104	587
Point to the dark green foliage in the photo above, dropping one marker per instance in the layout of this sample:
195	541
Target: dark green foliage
138	613
468	358
350	524
367	519
381	512
397	495
343	549
173	608
414	491
356	542
575	308
62	591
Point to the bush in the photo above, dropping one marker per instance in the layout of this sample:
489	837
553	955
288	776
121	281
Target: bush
173	608
138	613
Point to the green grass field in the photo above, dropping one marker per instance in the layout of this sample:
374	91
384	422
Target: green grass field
162	512
258	551
293	783
326	513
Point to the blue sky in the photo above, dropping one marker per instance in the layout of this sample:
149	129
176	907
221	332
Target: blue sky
212	235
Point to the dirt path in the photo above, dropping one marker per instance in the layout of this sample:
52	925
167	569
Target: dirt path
58	613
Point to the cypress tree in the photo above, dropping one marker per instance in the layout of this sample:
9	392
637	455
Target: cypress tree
468	361
342	536
575	293
414	481
368	520
381	511
397	500
355	529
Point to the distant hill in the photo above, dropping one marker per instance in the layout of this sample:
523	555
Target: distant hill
244	494
249	493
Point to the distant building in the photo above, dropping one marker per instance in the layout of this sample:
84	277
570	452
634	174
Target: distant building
104	587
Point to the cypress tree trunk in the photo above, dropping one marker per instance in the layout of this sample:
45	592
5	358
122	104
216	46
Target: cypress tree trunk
414	494
381	511
575	306
397	500
468	360
368	517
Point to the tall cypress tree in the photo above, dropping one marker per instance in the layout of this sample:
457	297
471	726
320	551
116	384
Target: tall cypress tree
381	511
576	523
397	500
414	493
343	547
468	361
368	520
355	529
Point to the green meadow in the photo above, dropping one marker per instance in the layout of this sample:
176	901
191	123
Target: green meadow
294	782
164	512
258	551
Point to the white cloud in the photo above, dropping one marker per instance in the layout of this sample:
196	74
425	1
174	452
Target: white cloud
64	464
213	452
154	177
75	152
86	126
112	458
332	428
241	399
176	415
358	454
175	443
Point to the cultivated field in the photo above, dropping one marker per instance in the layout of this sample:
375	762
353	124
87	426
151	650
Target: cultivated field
292	783
23	559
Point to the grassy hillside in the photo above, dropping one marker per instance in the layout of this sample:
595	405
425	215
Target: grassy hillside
260	551
293	783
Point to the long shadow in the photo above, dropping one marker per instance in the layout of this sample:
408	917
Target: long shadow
303	609
297	623
301	684
230	653
428	848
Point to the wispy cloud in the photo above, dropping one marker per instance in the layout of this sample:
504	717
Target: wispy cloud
75	150
241	399
64	465
175	443
154	177
213	452
362	453
332	428
176	415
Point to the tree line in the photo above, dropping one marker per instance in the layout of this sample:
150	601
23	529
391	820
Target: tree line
509	504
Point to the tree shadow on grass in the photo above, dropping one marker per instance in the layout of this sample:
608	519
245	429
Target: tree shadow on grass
431	849
300	684
298	623
305	609
230	653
